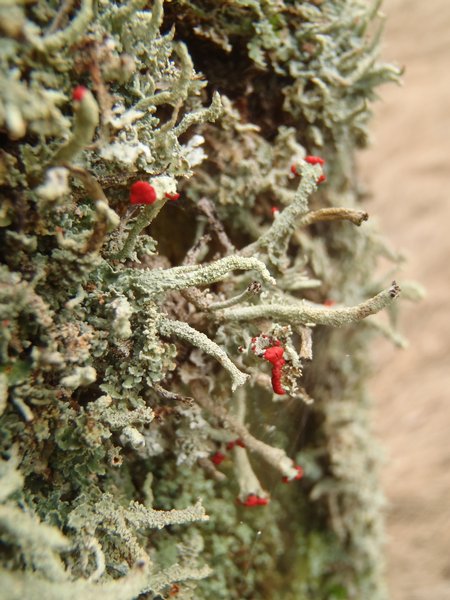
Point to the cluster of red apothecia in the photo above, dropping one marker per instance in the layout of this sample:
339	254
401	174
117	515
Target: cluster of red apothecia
272	352
142	192
312	160
252	499
255	500
218	457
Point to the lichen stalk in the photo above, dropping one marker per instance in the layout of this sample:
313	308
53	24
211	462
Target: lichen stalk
302	314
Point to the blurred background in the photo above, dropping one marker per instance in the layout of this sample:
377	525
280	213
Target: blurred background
407	171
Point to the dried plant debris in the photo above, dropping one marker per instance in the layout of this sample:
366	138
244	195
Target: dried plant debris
186	300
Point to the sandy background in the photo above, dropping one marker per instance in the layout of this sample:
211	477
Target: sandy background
408	169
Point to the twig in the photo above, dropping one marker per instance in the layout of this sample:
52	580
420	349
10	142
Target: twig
62	13
334	214
207	208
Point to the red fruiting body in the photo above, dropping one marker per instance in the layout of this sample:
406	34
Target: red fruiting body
321	179
329	302
217	458
314	160
172	195
276	381
142	192
296	478
254	500
274	209
294	170
274	354
299	472
78	93
234	443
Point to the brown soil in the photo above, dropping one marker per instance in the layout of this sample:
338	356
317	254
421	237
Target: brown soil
409	172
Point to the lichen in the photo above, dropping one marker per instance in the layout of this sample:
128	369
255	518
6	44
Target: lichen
133	337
